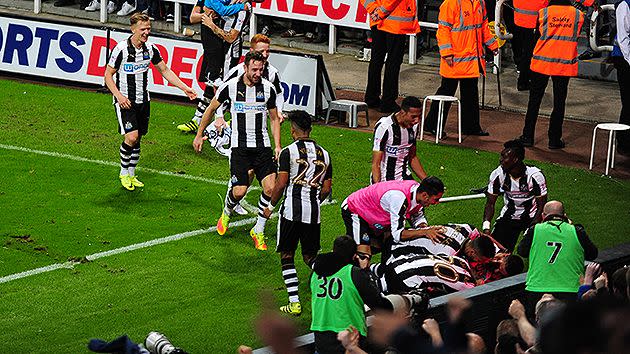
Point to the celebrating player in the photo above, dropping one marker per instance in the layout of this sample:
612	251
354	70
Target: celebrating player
130	62
250	98
305	178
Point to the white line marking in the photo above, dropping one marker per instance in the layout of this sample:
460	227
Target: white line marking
92	257
115	164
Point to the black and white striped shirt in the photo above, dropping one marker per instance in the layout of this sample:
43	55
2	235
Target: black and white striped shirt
519	195
233	51
426	271
269	72
308	166
248	105
455	234
132	66
395	142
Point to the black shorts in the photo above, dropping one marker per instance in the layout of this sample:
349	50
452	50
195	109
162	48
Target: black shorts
292	232
244	159
135	118
507	231
356	227
213	55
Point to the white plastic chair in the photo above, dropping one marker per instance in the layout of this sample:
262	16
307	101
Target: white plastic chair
613	128
439	127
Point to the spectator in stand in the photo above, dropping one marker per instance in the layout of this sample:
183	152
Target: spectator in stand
556	250
524	190
621	59
619	282
390	21
461	40
555	57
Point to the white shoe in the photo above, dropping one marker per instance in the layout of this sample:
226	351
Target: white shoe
126	9
95	5
240	210
111	7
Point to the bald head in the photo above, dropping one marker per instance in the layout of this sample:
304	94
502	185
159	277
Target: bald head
553	207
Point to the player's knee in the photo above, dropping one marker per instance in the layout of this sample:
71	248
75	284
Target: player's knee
287	258
239	192
308	259
132	138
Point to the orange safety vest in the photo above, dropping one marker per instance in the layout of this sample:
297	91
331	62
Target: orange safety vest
556	53
396	16
526	12
462	32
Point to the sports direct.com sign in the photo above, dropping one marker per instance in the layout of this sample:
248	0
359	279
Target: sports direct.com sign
348	13
79	54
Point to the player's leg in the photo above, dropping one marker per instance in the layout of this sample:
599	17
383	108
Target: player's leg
128	127
237	188
265	169
142	113
287	241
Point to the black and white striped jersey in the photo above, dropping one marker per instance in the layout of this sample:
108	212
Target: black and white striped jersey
406	273
270	73
248	105
234	50
518	195
455	234
132	65
308	166
395	142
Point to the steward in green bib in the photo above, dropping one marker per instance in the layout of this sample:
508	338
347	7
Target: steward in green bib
339	291
556	250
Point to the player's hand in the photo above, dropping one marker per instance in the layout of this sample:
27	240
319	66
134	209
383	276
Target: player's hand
277	152
123	102
219	123
282	117
192	94
267	213
207	21
516	310
198	143
448	59
435	233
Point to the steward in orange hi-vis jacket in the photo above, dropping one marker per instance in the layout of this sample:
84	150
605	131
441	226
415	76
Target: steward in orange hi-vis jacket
462	34
555	56
390	22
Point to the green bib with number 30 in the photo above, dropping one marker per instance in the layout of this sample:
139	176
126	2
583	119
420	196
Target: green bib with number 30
556	259
336	303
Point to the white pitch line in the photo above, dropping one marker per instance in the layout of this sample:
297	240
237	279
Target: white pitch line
92	257
115	164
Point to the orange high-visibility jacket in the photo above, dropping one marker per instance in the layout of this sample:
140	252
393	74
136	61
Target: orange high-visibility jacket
462	32
396	16
526	12
556	53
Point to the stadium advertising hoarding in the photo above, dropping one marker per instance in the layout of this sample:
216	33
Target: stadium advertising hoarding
348	13
79	54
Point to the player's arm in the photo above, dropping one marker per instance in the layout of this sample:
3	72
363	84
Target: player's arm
327	184
415	164
205	120
173	79
494	189
381	135
540	191
111	85
229	36
395	203
276	120
196	13
226	10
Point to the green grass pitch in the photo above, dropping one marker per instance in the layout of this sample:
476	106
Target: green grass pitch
203	291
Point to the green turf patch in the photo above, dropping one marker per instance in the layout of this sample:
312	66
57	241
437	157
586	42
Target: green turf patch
202	291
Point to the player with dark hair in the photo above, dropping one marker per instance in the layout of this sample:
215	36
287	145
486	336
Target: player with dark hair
130	62
305	179
394	149
524	190
251	99
385	206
